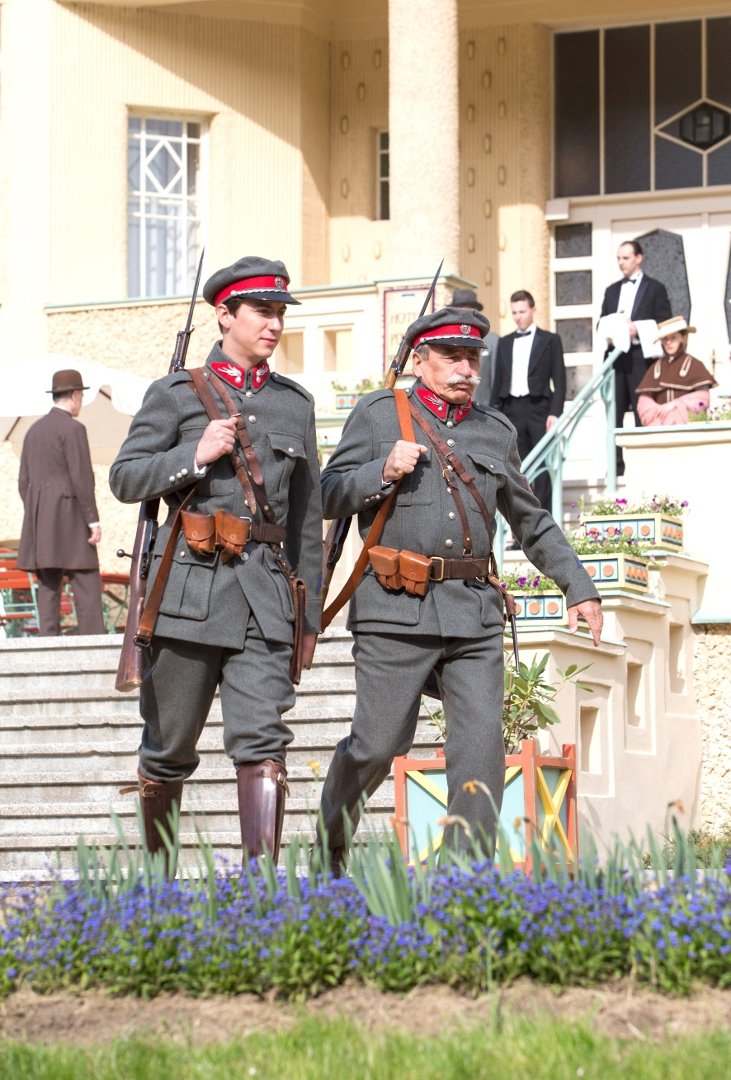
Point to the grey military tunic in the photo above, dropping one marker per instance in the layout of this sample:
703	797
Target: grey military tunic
226	607
456	629
425	519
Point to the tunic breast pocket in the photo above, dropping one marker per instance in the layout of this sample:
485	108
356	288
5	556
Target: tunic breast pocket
188	589
489	476
286	451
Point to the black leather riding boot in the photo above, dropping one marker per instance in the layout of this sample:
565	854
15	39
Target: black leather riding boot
262	792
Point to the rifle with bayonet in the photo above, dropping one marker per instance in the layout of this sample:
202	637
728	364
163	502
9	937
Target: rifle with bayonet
132	656
338	531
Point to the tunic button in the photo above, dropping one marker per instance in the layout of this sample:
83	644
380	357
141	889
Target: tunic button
450	423
249	393
376	497
290	449
183	472
245	556
448	543
181	554
179	476
452	515
252	419
450	442
172	479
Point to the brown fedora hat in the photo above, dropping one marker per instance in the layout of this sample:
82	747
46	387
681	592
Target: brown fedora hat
65	381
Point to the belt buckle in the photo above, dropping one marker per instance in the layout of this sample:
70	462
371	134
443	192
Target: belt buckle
434	560
248	521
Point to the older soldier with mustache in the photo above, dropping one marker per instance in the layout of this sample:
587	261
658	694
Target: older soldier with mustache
425	603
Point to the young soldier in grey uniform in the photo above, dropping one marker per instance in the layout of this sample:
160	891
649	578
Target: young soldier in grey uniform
452	620
226	620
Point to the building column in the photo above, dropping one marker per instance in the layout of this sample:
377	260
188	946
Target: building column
423	135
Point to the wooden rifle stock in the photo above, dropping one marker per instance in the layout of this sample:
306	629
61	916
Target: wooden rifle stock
132	656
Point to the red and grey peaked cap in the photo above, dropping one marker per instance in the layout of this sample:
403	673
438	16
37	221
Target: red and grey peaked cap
250	278
450	326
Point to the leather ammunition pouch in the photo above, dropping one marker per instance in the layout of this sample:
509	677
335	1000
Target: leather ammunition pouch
226	533
408	570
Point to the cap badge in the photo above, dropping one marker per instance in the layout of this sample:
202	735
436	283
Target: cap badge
464	328
279	282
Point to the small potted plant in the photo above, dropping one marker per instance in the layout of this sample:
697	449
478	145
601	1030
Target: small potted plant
538	600
656	521
703	414
613	562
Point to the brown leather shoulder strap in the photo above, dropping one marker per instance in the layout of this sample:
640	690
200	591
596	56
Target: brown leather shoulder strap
374	533
200	384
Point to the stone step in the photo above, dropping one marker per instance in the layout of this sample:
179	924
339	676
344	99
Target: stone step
45	858
49	706
96	738
47	670
69	743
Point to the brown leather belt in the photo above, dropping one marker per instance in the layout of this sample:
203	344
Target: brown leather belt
449	569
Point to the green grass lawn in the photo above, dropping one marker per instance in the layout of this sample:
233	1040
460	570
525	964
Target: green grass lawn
339	1050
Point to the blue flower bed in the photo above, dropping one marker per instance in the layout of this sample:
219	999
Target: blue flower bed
469	927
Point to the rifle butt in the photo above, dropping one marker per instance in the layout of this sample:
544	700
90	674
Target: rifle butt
131	666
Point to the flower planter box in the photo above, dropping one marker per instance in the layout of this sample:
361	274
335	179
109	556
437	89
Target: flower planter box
539	800
659	530
618	571
540	609
347	400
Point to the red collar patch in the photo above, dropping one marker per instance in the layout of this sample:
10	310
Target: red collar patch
236	376
439	407
259	375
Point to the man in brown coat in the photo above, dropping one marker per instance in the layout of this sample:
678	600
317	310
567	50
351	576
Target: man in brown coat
61	527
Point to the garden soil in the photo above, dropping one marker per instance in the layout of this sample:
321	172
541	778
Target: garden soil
93	1017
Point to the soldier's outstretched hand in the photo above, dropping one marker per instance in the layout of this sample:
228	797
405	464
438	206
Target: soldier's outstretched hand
402	460
591	612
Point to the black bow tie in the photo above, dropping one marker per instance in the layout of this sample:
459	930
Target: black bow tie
522	333
631	281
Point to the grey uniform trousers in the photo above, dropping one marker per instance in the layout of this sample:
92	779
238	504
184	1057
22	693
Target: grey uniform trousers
177	693
390	673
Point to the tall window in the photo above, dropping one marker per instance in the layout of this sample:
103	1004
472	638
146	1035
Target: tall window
164	170
383	208
643	108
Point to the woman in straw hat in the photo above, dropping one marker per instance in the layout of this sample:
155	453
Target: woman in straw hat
676	383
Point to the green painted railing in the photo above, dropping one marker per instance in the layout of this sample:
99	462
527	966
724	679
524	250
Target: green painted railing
551	452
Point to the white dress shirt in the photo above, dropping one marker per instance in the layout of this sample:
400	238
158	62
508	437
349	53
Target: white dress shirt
521	358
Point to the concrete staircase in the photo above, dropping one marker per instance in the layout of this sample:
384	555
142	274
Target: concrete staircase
69	741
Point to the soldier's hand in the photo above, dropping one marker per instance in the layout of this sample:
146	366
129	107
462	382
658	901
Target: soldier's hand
216	440
402	460
591	612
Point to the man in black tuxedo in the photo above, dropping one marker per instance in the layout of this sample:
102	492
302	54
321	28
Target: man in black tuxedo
636	296
530	382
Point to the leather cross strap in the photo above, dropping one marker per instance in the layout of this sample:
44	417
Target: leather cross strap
204	392
451	466
374	534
